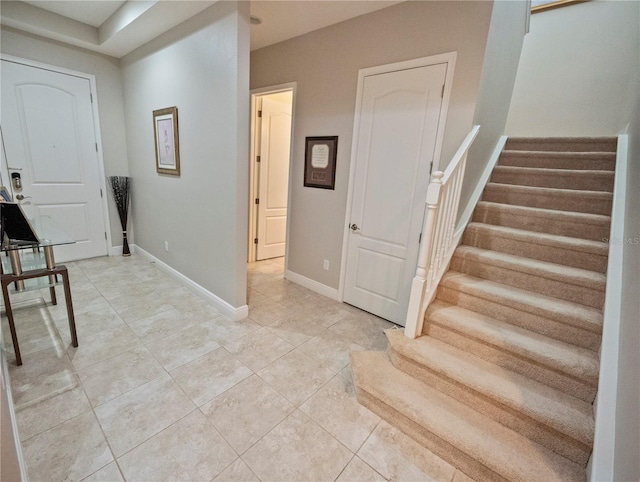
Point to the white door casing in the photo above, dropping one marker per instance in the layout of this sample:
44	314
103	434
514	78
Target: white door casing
4	173
400	116
275	145
50	140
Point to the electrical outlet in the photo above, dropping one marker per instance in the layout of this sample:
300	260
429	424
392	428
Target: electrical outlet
325	265
166	246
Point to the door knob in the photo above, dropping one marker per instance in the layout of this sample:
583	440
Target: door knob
354	227
20	197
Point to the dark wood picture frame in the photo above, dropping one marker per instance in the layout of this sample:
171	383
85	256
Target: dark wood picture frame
165	133
320	161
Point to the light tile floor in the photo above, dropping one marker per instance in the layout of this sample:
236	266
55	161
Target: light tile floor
163	387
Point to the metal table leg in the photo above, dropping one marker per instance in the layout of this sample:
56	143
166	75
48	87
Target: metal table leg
12	326
50	262
16	267
70	316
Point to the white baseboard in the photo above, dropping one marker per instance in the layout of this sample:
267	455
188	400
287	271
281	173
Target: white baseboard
117	250
225	308
313	285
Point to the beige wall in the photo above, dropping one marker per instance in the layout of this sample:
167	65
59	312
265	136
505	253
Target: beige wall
575	75
502	55
325	65
202	67
109	89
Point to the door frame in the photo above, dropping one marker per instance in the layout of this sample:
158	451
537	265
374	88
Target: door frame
448	58
4	171
96	128
254	175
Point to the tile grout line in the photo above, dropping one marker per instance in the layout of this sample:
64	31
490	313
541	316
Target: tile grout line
290	308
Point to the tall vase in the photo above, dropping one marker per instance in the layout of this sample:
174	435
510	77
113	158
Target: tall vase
120	189
125	245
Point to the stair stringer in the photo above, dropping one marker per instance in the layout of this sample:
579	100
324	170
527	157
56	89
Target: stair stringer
468	463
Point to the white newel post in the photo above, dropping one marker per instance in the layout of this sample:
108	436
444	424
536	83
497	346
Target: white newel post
413	325
439	240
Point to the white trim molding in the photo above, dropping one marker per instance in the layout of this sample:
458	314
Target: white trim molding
96	127
313	285
438	235
117	250
5	386
601	464
467	214
256	96
236	314
448	58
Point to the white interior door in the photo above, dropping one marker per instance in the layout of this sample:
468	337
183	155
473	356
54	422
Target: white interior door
396	140
275	145
49	137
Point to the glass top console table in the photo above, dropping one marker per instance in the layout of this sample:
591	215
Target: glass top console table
30	265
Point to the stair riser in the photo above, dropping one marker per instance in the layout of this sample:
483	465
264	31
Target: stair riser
542	252
588	181
447	452
592	203
560	381
548	287
519	422
478	445
598	162
596	144
543	224
543	325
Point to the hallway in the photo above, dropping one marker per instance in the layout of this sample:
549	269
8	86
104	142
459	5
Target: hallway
162	386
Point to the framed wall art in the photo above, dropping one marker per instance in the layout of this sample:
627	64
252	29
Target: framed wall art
165	130
320	162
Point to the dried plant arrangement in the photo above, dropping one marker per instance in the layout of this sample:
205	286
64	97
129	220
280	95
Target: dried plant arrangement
120	188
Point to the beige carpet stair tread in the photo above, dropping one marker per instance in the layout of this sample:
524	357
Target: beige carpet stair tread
577	362
565	223
502	380
548	406
573	314
508	357
553	325
593	202
538	277
530	211
559	160
566	144
551	240
550	271
590	180
553	248
435	415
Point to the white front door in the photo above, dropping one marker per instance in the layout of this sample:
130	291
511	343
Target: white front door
48	132
396	141
275	145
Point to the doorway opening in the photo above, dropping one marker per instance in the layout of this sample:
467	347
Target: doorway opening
270	155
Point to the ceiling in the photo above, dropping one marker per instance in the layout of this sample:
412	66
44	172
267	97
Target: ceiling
115	27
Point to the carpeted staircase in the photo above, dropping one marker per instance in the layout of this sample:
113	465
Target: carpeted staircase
502	382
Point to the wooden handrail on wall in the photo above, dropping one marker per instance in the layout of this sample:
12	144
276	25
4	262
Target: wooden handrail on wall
438	242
